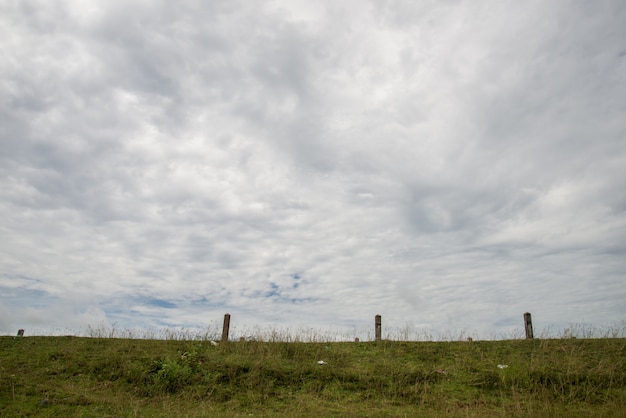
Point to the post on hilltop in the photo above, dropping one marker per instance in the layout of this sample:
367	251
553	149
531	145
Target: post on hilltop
378	327
528	326
226	327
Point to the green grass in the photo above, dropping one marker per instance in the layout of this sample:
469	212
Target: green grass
108	377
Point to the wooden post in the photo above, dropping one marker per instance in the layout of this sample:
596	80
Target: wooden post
20	332
226	327
528	326
377	327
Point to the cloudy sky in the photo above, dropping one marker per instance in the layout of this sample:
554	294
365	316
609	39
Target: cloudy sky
449	165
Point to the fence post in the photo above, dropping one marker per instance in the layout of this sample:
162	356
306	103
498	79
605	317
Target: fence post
377	327
528	326
226	327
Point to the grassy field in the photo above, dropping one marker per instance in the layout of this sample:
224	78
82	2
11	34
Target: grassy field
108	377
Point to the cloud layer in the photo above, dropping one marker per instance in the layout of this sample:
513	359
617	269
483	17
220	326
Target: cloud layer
445	164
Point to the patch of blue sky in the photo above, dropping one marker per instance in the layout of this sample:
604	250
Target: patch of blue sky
274	291
161	303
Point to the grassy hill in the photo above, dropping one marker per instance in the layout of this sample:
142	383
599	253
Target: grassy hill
106	377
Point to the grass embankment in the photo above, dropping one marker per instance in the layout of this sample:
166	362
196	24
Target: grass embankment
99	377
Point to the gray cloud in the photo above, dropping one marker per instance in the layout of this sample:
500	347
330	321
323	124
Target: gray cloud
448	166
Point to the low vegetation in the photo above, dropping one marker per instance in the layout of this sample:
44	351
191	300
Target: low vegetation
111	377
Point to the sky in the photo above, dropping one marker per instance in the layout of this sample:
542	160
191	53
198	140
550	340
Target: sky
448	165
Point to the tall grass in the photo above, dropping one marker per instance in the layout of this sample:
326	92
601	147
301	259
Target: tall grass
273	333
276	333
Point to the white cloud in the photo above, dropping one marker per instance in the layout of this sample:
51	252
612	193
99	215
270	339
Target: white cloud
442	164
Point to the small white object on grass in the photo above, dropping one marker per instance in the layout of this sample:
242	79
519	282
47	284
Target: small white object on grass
214	344
503	366
321	362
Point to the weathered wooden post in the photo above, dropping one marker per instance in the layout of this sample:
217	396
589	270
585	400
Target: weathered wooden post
528	326
226	327
20	332
377	328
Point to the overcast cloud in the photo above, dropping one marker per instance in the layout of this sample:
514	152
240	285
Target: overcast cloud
446	164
